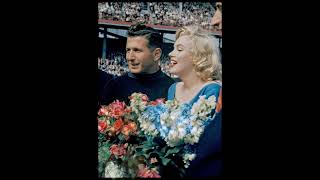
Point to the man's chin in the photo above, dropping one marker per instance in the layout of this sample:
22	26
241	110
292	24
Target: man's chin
135	71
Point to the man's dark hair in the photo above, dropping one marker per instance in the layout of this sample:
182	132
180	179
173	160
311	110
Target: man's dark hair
153	36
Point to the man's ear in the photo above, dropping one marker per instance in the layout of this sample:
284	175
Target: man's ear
157	54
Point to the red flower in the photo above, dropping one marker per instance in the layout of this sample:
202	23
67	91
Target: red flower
102	126
118	150
118	124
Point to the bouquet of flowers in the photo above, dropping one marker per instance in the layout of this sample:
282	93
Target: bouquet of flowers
119	135
179	127
150	138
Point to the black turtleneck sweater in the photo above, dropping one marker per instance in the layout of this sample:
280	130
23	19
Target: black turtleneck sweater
153	85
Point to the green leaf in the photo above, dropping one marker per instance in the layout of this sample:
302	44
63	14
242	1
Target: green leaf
146	146
165	161
139	153
124	158
138	149
101	118
101	137
101	168
172	151
121	137
112	120
103	152
164	149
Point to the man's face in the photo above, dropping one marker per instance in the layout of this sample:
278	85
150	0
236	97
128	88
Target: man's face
140	58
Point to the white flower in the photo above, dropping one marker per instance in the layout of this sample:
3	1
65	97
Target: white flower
195	108
173	138
148	127
204	105
195	139
187	158
194	130
113	170
152	130
203	115
212	101
174	115
144	125
188	139
182	132
164	118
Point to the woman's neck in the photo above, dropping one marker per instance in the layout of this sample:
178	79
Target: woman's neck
191	81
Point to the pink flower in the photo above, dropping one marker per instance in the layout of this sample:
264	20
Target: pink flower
117	109
118	150
126	130
144	97
148	173
103	111
132	126
157	101
153	160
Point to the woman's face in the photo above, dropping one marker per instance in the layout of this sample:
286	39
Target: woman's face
181	57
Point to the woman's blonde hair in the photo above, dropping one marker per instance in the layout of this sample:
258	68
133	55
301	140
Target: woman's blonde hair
206	54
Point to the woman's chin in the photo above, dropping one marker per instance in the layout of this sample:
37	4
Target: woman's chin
172	72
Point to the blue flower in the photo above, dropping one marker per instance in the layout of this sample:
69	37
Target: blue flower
163	131
152	113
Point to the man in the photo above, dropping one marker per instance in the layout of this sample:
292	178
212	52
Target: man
216	21
143	52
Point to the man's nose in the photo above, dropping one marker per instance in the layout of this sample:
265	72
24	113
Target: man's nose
130	56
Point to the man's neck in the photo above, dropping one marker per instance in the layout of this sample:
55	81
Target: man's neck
145	75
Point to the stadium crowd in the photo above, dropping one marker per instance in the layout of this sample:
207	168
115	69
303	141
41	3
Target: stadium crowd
161	13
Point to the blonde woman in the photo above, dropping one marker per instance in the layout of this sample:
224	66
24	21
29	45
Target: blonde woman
196	61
